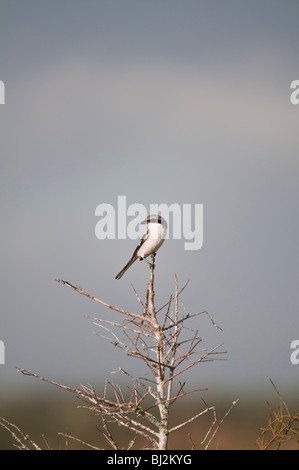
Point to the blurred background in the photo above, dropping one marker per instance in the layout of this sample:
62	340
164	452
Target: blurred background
163	102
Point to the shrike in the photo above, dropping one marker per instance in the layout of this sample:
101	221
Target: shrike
150	242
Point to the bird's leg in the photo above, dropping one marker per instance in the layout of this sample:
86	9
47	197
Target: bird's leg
153	257
148	262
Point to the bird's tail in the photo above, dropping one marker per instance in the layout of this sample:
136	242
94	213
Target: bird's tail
122	272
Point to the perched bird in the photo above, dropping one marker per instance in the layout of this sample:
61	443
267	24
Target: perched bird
150	242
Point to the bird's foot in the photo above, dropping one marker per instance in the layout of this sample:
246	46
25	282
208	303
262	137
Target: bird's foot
151	264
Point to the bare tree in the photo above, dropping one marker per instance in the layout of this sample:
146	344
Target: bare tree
168	348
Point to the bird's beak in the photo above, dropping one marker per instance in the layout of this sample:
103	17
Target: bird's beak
144	221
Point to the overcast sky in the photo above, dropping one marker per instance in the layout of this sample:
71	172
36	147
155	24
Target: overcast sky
161	102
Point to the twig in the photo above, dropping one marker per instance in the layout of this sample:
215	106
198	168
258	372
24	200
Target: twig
175	428
220	423
13	430
78	440
112	307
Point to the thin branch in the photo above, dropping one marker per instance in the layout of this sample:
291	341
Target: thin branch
112	307
68	436
173	298
201	359
175	428
14	431
220	423
173	399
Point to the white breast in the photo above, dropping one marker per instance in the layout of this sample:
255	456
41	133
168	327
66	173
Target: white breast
155	238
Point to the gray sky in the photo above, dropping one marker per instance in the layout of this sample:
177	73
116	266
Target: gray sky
163	102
